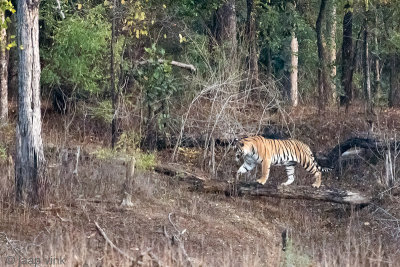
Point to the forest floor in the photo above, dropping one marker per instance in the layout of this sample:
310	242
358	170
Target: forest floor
170	225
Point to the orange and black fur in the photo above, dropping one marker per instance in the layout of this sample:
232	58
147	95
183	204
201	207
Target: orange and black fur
288	152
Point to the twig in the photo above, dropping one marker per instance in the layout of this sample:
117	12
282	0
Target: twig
8	242
112	244
93	200
62	219
174	225
136	261
155	259
177	238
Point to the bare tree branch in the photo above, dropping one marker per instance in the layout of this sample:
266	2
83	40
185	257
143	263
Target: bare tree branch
135	261
60	10
174	63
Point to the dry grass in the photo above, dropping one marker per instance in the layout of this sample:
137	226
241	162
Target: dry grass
213	230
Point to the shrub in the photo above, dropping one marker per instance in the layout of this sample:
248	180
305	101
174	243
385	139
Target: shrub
293	257
80	48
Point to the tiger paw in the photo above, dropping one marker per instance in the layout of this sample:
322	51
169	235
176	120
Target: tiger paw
261	181
316	185
242	170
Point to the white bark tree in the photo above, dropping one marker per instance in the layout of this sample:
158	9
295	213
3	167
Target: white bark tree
366	64
252	39
323	85
3	71
331	25
294	51
30	161
377	70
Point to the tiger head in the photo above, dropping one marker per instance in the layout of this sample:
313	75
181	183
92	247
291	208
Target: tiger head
243	148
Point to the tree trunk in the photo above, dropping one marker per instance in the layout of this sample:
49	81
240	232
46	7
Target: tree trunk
268	53
225	28
30	162
331	26
366	65
3	71
294	49
112	75
225	37
252	38
323	90
269	61
393	87
347	55
377	73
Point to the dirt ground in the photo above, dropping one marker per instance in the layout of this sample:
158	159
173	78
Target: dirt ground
171	225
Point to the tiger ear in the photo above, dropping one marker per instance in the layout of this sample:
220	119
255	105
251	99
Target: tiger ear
237	143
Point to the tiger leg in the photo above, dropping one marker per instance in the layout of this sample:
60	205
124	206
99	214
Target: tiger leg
290	174
246	166
317	182
266	164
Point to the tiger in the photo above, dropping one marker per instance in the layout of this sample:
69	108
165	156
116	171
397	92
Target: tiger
288	152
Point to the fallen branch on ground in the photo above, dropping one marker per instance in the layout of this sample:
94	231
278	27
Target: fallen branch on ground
254	189
137	261
174	63
112	244
373	144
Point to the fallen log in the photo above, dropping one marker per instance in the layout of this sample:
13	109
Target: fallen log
203	184
331	159
306	192
174	63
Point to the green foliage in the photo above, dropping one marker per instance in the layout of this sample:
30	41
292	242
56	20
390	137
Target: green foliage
127	147
102	111
194	11
136	20
75	51
157	77
293	258
197	51
12	44
145	161
129	142
105	153
308	57
395	40
158	83
80	49
6	5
